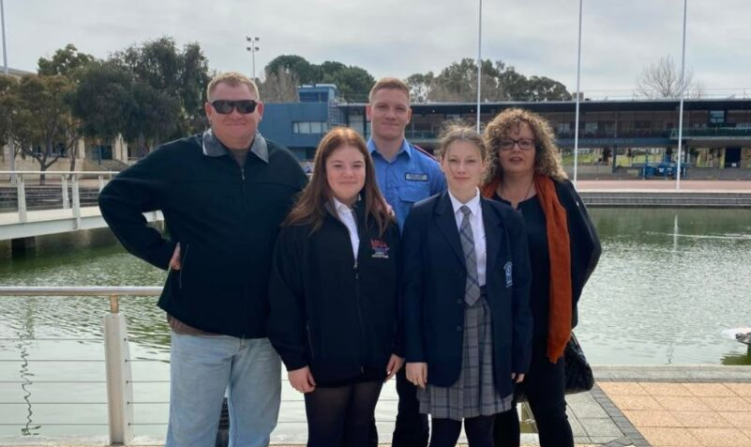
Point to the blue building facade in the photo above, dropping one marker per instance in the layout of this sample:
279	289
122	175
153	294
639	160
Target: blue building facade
299	126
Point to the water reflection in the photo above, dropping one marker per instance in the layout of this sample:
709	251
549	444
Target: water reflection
669	281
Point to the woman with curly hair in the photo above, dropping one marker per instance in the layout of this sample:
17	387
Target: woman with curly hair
526	173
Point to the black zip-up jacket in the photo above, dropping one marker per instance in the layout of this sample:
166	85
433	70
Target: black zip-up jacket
226	219
330	311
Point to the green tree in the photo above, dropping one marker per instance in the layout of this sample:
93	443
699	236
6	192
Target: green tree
103	100
306	72
280	87
420	86
354	83
514	83
43	126
541	88
65	62
8	99
169	81
500	82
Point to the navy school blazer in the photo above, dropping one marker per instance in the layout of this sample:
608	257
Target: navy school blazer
434	284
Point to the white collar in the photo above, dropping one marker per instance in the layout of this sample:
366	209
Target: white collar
340	207
473	204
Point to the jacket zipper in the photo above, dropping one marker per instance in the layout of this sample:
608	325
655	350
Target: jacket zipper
359	315
182	266
356	272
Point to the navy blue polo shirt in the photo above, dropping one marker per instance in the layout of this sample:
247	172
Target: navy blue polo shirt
411	176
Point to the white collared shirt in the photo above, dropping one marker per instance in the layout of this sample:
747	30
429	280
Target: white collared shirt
347	216
478	230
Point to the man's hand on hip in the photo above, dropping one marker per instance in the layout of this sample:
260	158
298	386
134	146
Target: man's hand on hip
174	263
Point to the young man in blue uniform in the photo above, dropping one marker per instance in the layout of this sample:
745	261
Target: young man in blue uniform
406	174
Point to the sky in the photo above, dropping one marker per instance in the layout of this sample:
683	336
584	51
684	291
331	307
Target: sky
402	37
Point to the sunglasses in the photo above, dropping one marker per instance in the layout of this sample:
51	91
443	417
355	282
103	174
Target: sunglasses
243	106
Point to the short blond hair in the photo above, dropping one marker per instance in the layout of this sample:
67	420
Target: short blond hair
389	83
233	79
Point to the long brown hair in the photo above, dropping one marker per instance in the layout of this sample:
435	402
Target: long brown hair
547	154
311	207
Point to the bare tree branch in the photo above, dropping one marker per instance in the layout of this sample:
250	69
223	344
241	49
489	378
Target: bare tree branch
663	80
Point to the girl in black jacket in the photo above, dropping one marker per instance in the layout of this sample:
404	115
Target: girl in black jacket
334	293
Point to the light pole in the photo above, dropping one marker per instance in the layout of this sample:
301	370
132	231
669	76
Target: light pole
253	48
578	96
6	70
5	50
479	63
683	93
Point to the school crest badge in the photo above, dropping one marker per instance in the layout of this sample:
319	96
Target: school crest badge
380	249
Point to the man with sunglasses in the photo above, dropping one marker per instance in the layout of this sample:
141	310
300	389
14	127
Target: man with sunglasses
223	195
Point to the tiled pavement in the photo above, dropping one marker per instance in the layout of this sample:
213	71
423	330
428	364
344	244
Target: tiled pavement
703	406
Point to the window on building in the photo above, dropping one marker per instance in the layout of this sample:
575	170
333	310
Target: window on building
717	117
310	127
563	128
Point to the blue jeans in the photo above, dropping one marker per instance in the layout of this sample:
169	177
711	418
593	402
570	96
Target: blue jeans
202	369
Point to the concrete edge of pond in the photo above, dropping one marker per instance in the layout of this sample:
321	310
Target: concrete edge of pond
672	373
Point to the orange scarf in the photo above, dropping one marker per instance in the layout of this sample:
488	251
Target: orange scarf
559	323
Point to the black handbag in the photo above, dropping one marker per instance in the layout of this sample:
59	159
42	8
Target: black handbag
579	376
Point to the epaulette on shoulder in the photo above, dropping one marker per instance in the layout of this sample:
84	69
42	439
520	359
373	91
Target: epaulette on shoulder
431	156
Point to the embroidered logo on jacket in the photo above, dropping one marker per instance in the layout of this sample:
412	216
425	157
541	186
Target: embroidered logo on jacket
508	268
380	249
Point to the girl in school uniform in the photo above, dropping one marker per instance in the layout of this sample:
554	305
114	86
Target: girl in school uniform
334	293
466	286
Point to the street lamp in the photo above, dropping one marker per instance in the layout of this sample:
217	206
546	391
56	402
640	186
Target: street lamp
5	50
683	94
479	63
578	96
253	48
6	70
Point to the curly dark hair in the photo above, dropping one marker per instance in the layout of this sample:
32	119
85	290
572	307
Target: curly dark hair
547	154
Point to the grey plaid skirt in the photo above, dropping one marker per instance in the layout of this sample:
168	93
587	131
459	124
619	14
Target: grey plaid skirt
474	393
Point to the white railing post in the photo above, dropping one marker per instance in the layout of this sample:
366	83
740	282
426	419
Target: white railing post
21	190
76	202
66	199
119	376
101	183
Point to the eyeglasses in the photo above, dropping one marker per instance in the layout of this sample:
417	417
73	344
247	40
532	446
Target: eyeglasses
243	106
525	144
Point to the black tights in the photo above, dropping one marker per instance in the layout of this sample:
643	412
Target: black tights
544	386
328	409
479	432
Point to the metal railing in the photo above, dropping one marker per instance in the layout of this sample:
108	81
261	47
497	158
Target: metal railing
119	380
65	176
120	401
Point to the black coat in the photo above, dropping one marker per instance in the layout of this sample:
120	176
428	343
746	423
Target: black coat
584	241
226	219
329	311
434	288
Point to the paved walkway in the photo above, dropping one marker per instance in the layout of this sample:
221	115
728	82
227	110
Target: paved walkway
674	406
